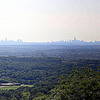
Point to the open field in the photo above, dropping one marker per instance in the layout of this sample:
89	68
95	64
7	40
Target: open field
13	87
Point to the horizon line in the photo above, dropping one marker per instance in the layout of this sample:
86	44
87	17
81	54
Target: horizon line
20	40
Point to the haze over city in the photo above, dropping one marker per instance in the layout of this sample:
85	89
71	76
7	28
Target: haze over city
49	20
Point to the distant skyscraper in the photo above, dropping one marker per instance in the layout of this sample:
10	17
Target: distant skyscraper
19	40
74	38
5	39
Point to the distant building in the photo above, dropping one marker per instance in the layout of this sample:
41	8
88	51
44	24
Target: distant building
75	39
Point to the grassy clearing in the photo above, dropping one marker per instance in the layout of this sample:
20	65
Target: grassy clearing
13	87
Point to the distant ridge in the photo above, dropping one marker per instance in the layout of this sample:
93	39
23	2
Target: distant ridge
70	42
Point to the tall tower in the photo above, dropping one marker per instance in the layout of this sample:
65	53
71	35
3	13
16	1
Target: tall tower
74	38
5	39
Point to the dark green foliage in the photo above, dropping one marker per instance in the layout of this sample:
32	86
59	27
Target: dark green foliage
79	85
50	72
30	70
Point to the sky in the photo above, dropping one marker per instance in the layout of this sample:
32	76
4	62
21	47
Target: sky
50	20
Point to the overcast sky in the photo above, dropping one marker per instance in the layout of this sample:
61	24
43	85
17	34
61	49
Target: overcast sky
49	20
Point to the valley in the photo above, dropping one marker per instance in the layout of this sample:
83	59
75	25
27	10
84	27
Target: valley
34	72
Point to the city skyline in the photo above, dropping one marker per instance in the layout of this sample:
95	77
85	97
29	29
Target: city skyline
73	38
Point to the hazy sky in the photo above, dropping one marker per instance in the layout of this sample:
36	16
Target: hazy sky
49	20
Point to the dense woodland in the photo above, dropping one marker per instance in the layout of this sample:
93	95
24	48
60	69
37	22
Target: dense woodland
80	84
56	73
